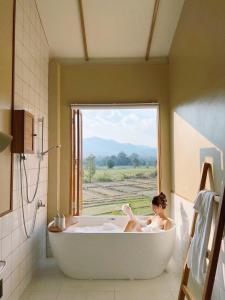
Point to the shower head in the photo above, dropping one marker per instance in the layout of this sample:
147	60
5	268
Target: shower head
51	148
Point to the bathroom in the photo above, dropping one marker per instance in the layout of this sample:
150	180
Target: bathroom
88	53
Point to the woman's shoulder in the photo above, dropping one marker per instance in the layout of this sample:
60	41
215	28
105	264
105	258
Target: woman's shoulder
167	223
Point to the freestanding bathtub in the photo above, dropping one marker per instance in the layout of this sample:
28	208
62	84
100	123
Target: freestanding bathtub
111	255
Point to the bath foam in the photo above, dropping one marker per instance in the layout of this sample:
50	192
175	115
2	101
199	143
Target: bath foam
106	227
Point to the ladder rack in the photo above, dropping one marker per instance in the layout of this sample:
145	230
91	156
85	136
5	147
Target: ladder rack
213	254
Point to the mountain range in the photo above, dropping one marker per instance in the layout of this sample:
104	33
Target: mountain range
100	147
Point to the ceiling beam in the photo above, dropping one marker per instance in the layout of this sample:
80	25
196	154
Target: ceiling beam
81	13
152	27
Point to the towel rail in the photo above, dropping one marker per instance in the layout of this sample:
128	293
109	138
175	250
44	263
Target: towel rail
213	254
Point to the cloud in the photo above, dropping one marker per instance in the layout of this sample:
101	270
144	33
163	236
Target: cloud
136	126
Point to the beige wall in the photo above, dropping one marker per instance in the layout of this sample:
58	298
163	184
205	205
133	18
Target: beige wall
197	95
105	84
197	99
6	58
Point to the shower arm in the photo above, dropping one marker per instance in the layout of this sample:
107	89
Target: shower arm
45	152
41	120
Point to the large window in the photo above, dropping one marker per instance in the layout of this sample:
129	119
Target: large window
115	159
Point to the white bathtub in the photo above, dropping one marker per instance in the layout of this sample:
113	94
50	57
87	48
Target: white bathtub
111	255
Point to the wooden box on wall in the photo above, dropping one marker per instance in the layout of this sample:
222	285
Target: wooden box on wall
23	132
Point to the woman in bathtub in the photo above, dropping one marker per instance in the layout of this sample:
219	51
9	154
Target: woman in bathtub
153	223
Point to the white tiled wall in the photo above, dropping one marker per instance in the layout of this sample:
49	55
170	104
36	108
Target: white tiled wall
31	94
182	212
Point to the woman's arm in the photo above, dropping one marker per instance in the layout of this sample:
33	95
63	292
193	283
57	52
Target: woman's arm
144	223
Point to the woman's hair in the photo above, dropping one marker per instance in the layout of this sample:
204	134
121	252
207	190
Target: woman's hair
160	200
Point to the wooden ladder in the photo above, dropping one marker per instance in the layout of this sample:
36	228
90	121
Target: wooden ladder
213	254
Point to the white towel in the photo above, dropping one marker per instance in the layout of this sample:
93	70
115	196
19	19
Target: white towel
196	260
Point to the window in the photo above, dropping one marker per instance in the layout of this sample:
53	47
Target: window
115	159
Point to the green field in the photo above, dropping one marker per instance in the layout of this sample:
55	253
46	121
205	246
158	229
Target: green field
120	173
139	207
111	188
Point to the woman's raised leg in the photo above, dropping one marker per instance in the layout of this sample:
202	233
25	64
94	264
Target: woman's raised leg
132	226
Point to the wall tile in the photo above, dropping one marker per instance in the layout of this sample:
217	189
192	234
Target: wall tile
31	93
6	246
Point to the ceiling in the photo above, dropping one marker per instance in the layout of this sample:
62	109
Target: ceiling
111	28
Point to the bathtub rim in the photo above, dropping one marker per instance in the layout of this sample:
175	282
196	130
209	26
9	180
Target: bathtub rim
173	228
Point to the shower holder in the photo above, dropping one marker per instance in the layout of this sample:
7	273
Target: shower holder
2	265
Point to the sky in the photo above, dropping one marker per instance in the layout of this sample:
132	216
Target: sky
135	126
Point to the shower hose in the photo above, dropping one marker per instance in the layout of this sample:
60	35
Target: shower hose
29	201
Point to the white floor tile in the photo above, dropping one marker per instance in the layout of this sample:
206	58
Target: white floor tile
71	294
164	295
74	284
94	295
89	285
40	295
131	295
144	295
50	283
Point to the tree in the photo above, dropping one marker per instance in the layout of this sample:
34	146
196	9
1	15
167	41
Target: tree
91	167
114	159
135	160
122	159
110	163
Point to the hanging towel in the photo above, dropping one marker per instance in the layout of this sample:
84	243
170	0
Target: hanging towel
196	260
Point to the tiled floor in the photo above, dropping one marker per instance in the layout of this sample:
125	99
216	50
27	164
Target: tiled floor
49	283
